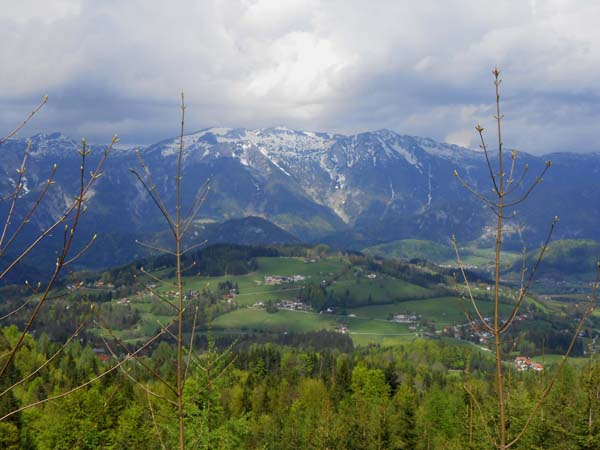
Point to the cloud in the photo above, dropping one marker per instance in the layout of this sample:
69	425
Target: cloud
345	66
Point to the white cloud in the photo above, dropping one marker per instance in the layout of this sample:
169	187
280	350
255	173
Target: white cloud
339	65
28	12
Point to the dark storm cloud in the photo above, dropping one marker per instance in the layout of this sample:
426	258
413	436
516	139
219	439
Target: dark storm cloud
343	66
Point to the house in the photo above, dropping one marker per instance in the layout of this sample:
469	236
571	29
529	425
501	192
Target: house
523	363
280	279
405	318
293	305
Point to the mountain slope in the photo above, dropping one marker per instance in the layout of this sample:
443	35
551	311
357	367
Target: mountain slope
350	191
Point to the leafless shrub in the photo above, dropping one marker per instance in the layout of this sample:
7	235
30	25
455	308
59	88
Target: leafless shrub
509	190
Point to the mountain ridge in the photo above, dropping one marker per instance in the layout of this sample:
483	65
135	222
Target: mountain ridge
348	190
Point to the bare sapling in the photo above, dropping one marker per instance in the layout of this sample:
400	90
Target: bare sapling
509	190
179	224
67	223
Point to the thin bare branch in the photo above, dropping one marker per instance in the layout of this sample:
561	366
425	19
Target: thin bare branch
15	311
75	205
27	216
523	291
510	178
154	189
128	375
158	434
25	122
502	216
161	297
169	332
496	325
468	286
191	266
227	366
157	279
459	296
519	183
49	360
479	195
80	252
15	194
546	391
87	383
487	158
164	212
481	415
189	220
152	247
191	346
120	343
189	249
59	263
178	238
198	198
537	181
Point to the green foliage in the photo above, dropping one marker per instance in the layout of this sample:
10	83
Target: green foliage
412	396
134	430
409	249
209	424
77	421
569	256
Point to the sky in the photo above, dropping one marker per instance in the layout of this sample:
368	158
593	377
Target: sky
346	66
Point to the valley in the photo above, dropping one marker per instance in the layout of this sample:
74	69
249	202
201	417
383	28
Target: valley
373	301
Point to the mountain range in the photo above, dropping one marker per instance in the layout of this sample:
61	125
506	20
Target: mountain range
347	191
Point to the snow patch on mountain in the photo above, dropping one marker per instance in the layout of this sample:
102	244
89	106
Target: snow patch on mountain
53	144
280	168
172	148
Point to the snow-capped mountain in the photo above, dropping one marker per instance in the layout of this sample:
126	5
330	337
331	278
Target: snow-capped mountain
351	190
342	173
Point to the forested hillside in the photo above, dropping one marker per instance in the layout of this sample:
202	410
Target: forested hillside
421	395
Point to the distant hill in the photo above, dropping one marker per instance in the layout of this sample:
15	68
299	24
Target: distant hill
568	256
116	249
409	249
245	231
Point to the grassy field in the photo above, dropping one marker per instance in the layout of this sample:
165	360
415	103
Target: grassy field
374	331
553	359
382	289
366	323
293	266
254	319
442	311
484	257
408	249
363	331
252	287
438	253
